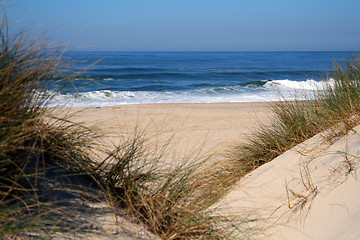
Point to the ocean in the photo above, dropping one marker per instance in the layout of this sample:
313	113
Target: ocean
118	78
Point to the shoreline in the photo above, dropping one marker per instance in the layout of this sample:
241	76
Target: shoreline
170	103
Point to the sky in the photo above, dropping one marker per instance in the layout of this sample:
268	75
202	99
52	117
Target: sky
195	25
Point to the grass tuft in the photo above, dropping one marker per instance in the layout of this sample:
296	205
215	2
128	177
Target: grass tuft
49	169
42	164
336	108
173	203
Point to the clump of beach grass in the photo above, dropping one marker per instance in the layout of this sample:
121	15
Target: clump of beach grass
334	108
41	163
172	202
49	167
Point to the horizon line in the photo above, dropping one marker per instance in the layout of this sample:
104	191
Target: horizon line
223	51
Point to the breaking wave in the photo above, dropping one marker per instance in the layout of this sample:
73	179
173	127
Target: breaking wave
256	91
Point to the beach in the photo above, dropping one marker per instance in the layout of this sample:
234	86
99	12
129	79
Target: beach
265	194
187	114
188	129
179	120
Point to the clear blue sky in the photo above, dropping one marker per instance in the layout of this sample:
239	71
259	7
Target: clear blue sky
196	25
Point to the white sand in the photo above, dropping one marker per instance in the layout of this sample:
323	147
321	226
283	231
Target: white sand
306	193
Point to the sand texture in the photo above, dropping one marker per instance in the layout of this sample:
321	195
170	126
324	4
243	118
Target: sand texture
191	128
310	192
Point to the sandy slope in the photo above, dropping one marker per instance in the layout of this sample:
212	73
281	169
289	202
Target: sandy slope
309	192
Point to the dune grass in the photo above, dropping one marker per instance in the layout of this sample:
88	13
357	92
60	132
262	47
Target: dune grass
40	163
173	202
335	108
49	168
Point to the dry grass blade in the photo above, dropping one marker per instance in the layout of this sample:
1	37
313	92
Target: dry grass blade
173	203
42	165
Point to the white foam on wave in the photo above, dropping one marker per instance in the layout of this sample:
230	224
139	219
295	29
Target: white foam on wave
309	84
111	98
273	90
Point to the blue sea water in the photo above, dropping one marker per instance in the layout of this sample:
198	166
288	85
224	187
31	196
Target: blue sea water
116	78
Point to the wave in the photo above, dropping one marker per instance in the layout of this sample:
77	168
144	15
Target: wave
138	76
158	73
309	84
109	98
267	73
144	70
99	68
257	91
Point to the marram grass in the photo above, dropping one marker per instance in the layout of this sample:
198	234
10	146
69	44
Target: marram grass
335	108
49	170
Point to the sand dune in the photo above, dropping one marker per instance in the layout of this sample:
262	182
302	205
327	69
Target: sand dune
309	192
